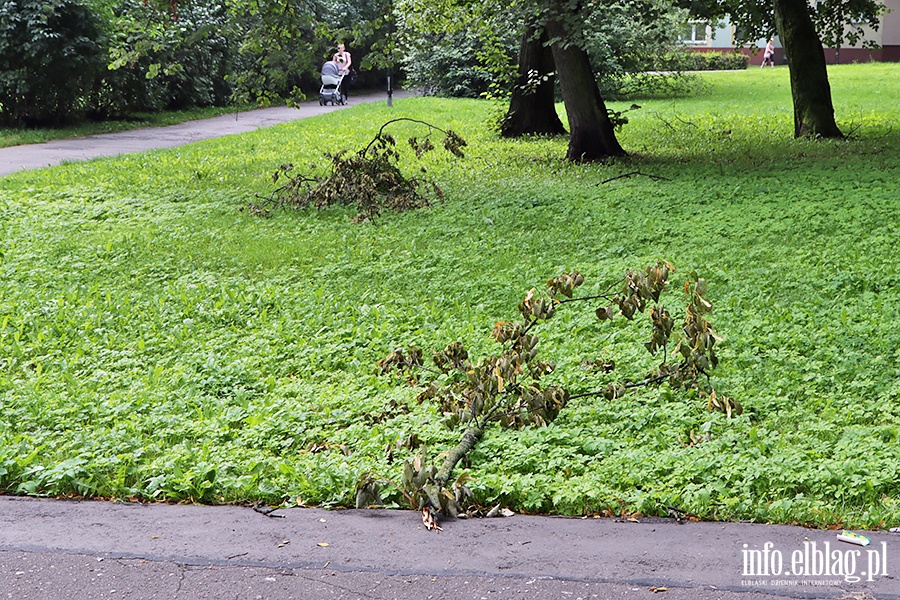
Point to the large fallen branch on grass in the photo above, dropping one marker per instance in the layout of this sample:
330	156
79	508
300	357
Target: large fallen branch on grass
369	179
507	389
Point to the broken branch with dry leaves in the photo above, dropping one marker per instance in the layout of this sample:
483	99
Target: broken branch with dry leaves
369	179
506	388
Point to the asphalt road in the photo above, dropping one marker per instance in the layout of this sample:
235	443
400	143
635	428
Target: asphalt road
36	156
58	549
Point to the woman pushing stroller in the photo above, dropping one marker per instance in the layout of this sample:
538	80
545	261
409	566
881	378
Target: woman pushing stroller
343	59
335	74
331	84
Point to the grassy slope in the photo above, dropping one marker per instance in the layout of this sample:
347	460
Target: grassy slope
157	342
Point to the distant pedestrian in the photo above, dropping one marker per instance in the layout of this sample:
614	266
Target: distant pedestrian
344	61
769	55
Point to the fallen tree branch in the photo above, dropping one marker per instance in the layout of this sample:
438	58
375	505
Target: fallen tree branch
470	437
632	174
267	510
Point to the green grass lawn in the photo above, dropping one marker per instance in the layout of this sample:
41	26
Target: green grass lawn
157	342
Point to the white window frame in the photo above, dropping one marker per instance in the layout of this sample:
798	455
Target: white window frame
699	33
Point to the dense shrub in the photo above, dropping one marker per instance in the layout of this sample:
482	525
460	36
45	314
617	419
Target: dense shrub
449	65
628	43
158	62
654	84
112	58
687	60
279	51
50	54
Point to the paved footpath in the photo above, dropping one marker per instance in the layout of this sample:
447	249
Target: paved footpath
59	549
36	156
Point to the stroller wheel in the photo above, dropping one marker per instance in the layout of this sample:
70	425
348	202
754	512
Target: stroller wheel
321	102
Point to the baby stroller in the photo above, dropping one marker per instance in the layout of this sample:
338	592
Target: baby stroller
331	85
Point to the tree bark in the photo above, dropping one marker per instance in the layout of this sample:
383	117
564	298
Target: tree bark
592	136
811	93
470	437
532	109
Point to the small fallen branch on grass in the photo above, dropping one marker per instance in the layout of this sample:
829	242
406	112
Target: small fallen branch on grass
634	173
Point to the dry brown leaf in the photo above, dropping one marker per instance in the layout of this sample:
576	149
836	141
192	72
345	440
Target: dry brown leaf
429	520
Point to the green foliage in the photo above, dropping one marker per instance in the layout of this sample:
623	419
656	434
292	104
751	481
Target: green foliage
369	179
50	53
448	65
457	49
157	61
686	60
627	42
840	22
172	347
63	60
278	45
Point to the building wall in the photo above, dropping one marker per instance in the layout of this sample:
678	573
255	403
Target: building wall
890	24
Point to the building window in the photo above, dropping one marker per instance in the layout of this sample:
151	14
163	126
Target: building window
693	32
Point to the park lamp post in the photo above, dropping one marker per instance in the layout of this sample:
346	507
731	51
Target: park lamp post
390	66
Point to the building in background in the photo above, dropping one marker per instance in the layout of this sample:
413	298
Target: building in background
719	37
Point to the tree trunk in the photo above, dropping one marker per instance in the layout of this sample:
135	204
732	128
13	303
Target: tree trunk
532	108
813	109
592	136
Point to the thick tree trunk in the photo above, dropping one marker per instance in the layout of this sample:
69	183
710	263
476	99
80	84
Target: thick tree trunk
532	108
592	136
813	109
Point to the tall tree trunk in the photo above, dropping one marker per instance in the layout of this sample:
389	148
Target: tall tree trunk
532	107
813	109
592	136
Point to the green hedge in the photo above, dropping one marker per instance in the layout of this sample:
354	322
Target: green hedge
681	60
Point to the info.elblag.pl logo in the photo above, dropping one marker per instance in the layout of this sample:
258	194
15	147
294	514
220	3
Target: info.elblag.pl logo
814	559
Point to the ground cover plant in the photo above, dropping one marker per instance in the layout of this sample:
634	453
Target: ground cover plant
158	343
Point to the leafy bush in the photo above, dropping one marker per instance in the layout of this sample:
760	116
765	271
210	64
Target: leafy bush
158	62
448	65
277	45
688	60
626	40
669	84
626	43
672	74
117	57
50	53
